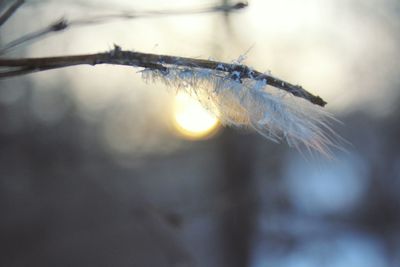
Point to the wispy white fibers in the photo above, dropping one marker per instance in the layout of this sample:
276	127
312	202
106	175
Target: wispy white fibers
272	112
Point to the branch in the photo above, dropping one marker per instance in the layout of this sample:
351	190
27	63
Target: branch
162	63
55	27
63	24
154	13
10	11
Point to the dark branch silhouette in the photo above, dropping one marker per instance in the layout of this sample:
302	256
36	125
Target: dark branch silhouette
63	23
10	11
16	67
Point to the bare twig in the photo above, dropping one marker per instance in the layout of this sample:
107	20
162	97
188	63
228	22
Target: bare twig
63	23
150	61
153	13
10	11
55	27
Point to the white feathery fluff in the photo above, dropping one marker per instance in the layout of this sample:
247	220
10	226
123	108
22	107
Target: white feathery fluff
274	113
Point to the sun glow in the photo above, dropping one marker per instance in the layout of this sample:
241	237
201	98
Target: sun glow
191	120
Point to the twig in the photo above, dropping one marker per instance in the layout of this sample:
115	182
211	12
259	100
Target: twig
10	11
150	61
63	23
153	13
55	27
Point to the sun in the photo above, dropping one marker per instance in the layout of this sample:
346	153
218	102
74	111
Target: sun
191	120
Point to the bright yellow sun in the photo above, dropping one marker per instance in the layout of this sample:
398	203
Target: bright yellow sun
191	120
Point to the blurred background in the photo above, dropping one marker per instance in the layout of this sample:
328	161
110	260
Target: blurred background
99	168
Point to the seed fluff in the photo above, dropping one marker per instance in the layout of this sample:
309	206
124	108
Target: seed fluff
250	102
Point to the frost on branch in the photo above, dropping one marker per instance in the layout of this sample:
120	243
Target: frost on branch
272	112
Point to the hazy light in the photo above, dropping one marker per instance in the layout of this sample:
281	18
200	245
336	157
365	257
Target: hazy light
191	120
330	188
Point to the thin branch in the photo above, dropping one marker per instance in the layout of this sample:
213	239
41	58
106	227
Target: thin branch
153	13
55	27
63	24
236	72
20	71
10	11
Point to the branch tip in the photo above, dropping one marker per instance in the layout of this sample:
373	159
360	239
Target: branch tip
59	25
240	5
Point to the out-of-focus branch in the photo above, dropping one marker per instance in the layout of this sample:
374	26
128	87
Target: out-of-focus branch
55	27
63	24
10	11
237	72
154	13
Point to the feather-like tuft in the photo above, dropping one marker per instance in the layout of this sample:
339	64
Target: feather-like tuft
274	113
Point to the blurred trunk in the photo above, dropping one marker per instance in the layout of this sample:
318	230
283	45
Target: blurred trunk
237	153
